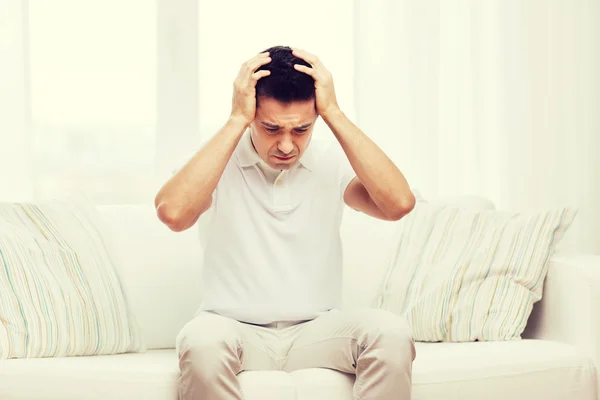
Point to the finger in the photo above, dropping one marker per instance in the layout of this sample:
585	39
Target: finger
259	63
260	74
307	70
252	65
256	59
306	56
261	57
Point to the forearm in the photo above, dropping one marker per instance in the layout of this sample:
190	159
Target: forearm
382	179
188	193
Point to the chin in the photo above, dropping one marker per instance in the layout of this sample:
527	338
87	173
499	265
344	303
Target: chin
282	166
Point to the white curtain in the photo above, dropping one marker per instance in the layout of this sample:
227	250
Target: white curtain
15	159
498	98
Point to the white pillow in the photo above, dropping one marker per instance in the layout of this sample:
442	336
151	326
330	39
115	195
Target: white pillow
462	274
60	294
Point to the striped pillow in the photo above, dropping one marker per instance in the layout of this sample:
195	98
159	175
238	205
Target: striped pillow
59	290
462	275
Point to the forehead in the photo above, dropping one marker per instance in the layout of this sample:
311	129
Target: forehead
275	112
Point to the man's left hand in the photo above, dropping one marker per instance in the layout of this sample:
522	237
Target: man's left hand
326	101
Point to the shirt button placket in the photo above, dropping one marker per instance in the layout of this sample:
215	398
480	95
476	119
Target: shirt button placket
277	191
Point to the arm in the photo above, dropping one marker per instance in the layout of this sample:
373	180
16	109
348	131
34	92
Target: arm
380	189
188	193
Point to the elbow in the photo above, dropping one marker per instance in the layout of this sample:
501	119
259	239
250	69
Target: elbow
174	219
179	219
402	208
169	216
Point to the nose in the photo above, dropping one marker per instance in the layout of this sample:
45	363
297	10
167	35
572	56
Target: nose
285	145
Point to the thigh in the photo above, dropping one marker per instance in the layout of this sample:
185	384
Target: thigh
215	336
336	339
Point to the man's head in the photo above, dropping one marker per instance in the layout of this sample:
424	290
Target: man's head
285	110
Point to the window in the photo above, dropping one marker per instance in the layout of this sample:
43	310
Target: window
93	98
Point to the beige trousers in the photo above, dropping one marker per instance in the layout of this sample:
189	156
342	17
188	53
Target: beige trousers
374	344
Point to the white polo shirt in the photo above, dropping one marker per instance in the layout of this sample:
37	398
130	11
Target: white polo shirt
272	247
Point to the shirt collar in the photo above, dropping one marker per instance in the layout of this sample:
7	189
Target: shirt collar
247	156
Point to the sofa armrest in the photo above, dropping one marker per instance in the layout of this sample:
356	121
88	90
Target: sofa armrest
569	311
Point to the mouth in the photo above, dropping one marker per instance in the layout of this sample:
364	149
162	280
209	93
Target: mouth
284	158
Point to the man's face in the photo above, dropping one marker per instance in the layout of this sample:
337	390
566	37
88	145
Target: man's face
281	132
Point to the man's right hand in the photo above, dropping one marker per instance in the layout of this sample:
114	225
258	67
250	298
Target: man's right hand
244	88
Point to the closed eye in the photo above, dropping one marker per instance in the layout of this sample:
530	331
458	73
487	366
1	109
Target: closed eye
272	130
301	130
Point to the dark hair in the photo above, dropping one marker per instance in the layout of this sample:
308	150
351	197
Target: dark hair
285	83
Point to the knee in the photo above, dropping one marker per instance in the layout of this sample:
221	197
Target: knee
392	334
205	345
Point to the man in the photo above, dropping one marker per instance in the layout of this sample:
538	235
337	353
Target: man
272	272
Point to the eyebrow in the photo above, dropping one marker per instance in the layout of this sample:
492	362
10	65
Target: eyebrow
272	126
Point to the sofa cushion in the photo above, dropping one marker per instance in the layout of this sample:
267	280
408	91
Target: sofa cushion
138	376
516	370
60	293
463	274
369	247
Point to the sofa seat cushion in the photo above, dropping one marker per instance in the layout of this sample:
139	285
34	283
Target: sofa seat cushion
151	375
516	370
526	369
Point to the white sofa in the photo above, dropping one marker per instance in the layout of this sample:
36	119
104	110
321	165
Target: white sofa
161	271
